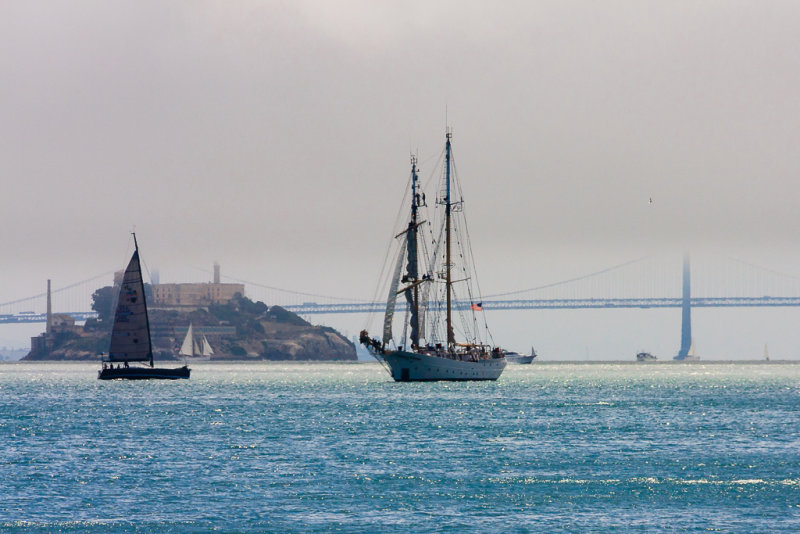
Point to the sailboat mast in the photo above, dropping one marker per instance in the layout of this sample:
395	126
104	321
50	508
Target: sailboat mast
448	281
144	300
413	246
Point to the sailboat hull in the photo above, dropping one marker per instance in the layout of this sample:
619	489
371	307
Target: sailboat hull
414	367
143	373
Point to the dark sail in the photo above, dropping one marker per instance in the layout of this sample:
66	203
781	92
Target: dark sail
412	269
412	273
130	336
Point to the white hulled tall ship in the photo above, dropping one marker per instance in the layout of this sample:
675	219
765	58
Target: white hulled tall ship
433	271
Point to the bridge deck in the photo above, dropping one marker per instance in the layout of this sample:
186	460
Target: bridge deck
542	304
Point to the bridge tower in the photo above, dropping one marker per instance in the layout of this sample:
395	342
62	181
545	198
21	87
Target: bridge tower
49	316
686	306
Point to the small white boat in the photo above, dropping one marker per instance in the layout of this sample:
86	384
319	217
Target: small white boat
645	357
692	356
516	357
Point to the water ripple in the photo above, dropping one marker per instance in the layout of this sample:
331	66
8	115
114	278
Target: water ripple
325	447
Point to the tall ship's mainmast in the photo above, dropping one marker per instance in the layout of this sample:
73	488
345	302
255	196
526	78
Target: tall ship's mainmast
448	265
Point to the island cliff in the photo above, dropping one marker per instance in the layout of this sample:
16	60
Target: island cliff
237	330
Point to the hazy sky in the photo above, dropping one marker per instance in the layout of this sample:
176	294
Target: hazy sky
274	136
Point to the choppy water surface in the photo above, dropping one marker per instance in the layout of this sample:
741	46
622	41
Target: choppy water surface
324	447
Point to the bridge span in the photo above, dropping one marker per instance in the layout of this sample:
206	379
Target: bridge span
313	308
637	283
555	304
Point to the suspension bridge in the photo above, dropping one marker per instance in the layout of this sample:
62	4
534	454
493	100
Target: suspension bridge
649	282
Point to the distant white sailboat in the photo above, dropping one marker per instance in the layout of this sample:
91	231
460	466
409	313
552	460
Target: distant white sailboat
766	352
192	349
207	350
692	356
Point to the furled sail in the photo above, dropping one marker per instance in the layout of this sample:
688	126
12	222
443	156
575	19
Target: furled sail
422	309
187	348
130	335
412	274
392	299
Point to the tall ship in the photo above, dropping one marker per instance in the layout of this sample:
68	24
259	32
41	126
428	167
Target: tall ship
433	271
130	334
195	348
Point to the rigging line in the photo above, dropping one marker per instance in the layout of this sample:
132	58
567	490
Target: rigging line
554	284
263	286
464	218
767	269
429	159
436	171
289	291
387	253
471	253
40	295
384	273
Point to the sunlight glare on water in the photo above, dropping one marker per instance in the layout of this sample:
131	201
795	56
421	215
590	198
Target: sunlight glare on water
321	447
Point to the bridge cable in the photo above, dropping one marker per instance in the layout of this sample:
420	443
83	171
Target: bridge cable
576	279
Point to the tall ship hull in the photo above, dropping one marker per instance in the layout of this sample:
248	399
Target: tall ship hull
415	367
143	373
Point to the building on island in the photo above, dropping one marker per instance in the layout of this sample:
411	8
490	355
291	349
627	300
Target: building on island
192	295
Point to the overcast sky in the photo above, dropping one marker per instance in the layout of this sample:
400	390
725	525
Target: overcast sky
274	136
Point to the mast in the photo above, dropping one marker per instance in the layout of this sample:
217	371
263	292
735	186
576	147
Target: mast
413	262
144	301
448	281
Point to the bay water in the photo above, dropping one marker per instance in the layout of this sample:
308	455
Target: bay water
273	447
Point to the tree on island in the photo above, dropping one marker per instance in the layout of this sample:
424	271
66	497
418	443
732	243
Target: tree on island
102	302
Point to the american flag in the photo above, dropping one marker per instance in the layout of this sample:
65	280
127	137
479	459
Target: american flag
477	307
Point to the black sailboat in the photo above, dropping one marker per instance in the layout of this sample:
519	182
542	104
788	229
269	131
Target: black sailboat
130	334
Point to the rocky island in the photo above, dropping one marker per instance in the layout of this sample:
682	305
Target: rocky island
237	329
